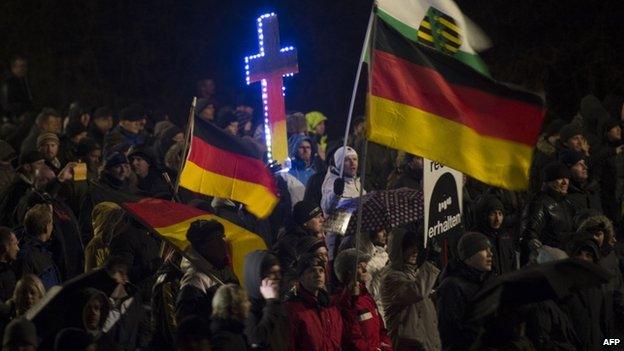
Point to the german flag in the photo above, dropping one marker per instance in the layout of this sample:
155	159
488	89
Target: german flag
426	102
230	167
171	220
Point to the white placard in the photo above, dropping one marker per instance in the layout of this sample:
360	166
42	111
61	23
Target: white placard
442	187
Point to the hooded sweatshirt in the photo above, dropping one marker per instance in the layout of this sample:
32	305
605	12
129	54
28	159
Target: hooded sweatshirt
298	167
267	324
406	299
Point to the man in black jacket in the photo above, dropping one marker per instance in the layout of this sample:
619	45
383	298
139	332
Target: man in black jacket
149	179
8	254
30	163
267	323
548	219
35	257
462	279
583	192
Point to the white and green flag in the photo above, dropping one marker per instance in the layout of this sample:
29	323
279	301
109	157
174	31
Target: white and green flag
439	24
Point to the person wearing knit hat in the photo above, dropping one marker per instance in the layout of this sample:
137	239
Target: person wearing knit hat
475	249
74	133
491	222
129	130
149	178
612	130
407	290
49	144
548	218
357	303
197	286
310	218
312	245
464	277
572	137
319	323
583	191
334	187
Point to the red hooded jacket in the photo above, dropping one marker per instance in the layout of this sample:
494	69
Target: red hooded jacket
364	327
315	322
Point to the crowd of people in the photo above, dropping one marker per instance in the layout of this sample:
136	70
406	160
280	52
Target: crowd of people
61	223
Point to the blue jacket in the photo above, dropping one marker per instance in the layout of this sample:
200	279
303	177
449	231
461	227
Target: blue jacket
298	167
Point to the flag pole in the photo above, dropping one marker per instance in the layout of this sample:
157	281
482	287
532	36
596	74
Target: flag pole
357	83
187	141
358	226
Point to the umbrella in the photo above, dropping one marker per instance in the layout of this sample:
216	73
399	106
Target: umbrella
49	314
388	209
548	281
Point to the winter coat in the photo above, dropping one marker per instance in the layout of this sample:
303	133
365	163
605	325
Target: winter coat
548	218
298	168
119	135
7	281
329	198
459	285
503	250
153	184
364	327
314	188
163	301
197	289
549	328
406	290
296	189
35	257
315	323
584	197
227	335
140	252
376	265
267	324
585	310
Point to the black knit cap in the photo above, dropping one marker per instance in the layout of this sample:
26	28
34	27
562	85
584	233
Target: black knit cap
490	203
30	157
610	124
570	157
102	112
555	170
308	261
304	211
145	153
471	243
202	231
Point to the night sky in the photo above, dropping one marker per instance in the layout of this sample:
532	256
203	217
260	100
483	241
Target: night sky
116	52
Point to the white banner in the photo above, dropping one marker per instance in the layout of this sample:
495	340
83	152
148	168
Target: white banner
442	187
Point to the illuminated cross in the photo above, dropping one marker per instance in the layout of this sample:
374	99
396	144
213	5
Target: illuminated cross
269	67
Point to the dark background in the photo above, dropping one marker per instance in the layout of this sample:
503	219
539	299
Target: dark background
115	52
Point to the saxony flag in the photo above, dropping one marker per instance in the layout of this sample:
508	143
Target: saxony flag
426	101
